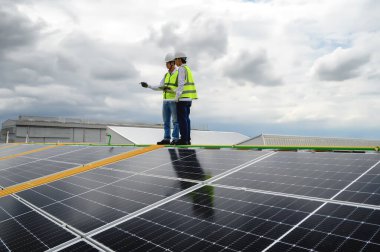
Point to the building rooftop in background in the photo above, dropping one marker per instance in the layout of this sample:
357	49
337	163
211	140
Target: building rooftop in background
287	140
44	129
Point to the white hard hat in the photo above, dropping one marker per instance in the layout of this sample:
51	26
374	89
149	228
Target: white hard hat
180	55
169	57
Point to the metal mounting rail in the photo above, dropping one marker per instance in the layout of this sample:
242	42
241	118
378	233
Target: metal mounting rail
244	147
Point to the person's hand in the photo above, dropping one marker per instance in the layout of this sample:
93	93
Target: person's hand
176	99
144	84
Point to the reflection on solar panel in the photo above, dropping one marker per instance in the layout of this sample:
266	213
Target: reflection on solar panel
194	199
213	219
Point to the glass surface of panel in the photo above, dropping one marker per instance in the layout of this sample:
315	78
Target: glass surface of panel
365	190
91	154
193	164
87	201
80	246
211	219
19	149
22	228
335	228
309	174
31	170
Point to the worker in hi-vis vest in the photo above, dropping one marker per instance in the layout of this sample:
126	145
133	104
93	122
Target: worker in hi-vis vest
185	93
168	86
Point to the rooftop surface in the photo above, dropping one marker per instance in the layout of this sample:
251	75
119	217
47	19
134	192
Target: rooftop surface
124	198
138	135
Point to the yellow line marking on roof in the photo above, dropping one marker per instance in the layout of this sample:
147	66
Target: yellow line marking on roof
29	152
76	170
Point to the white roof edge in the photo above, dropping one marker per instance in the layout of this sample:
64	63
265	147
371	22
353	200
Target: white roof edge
324	137
262	135
258	136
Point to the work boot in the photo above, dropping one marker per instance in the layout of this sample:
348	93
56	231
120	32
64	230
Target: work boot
182	142
163	142
174	142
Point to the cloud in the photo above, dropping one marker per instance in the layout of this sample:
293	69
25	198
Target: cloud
202	37
340	65
16	29
85	58
112	71
253	68
66	74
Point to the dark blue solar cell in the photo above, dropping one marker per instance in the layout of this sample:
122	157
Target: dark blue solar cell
21	228
81	247
320	175
213	218
337	228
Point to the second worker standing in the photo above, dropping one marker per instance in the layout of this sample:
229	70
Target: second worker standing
178	92
185	93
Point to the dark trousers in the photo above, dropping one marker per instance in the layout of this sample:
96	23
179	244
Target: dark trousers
183	117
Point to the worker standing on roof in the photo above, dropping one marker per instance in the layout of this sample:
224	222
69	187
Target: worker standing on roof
185	93
168	86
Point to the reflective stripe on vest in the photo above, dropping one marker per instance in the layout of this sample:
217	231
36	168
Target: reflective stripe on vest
171	81
189	90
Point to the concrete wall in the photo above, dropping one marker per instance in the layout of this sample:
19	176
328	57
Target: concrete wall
55	134
59	129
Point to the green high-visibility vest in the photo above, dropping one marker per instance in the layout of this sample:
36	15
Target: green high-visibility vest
189	90
171	81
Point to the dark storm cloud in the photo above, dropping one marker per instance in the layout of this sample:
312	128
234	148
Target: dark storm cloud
342	64
101	60
254	68
18	34
67	77
16	29
110	72
201	37
116	69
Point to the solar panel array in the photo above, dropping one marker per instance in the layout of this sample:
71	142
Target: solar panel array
191	200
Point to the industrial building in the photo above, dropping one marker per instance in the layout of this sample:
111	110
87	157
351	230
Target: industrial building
38	129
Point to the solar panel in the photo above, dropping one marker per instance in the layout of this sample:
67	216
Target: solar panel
23	228
87	208
194	164
213	219
60	150
91	154
31	170
81	246
365	190
7	163
308	174
335	228
51	161
18	149
200	199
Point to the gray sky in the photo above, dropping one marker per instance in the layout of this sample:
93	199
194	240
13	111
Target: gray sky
295	67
